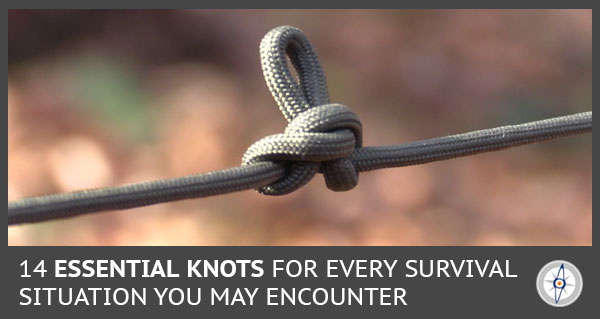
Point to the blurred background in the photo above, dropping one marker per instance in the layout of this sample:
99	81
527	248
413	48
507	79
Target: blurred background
103	98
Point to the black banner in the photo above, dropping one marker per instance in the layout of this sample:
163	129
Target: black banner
296	281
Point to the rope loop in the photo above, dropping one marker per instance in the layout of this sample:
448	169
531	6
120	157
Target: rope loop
320	135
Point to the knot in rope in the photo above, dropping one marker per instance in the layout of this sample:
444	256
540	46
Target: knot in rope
320	135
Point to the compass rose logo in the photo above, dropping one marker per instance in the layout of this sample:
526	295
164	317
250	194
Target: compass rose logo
559	283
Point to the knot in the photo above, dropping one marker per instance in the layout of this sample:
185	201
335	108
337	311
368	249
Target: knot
320	135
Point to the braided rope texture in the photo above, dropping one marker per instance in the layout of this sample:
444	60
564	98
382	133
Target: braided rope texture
320	137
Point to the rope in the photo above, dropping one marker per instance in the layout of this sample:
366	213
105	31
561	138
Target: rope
320	137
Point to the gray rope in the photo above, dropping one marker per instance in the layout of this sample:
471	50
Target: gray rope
320	137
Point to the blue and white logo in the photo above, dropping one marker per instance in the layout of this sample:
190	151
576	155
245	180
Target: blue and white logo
559	283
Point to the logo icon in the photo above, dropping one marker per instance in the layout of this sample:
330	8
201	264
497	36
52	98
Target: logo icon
559	283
